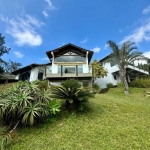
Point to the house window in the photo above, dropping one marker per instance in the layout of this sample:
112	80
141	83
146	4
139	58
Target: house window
80	69
59	69
70	58
49	69
69	69
40	74
115	77
25	76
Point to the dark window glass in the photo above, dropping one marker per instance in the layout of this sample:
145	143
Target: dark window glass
115	78
25	76
40	74
69	58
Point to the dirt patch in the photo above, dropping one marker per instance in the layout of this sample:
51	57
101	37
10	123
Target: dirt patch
105	90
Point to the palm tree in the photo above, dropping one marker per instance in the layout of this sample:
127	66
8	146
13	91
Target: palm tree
123	56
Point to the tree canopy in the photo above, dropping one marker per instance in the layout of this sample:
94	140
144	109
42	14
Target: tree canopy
98	70
3	49
9	66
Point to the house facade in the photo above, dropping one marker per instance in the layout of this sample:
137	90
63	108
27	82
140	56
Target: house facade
68	61
132	71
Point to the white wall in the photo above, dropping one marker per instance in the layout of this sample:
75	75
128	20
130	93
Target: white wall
110	77
34	73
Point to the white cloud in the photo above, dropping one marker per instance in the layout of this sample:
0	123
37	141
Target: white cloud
96	49
85	40
23	30
106	46
147	54
146	10
18	54
45	14
49	7
139	34
50	4
45	58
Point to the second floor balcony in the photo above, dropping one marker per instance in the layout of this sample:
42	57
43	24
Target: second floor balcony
69	71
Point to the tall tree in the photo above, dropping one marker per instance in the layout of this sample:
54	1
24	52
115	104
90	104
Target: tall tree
123	56
11	66
98	70
3	49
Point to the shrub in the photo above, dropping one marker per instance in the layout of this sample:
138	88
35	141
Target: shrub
109	85
96	87
140	83
75	97
42	85
25	103
120	84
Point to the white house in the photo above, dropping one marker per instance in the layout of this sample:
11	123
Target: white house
113	73
68	61
71	61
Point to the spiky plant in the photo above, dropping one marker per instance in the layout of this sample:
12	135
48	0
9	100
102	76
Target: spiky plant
24	102
72	93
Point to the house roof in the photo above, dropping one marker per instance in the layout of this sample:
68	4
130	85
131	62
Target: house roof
103	59
70	47
26	68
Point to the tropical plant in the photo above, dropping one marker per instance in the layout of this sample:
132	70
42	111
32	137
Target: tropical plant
123	56
54	107
25	103
73	94
98	70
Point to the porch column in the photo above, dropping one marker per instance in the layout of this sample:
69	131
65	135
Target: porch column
76	70
61	70
45	70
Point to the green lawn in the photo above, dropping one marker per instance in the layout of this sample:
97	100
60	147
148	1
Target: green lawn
116	122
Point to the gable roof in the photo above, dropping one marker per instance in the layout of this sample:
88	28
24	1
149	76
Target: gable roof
70	47
26	68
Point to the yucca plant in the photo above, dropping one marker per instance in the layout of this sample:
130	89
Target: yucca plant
72	93
24	102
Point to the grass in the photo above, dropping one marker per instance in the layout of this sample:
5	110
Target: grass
116	122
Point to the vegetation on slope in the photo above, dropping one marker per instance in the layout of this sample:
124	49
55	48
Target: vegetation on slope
117	121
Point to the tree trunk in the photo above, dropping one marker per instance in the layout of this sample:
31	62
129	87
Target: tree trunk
122	73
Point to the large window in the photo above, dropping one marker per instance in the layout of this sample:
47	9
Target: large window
70	58
25	76
80	69
69	69
49	69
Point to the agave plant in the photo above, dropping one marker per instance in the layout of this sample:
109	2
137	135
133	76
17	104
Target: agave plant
30	113
72	93
24	102
54	107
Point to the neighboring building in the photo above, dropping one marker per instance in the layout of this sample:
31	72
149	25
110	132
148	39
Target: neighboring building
113	73
30	73
7	77
68	61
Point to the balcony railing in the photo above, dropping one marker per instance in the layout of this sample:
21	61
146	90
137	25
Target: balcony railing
69	71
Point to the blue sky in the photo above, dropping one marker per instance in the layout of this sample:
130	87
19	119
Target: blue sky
33	27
